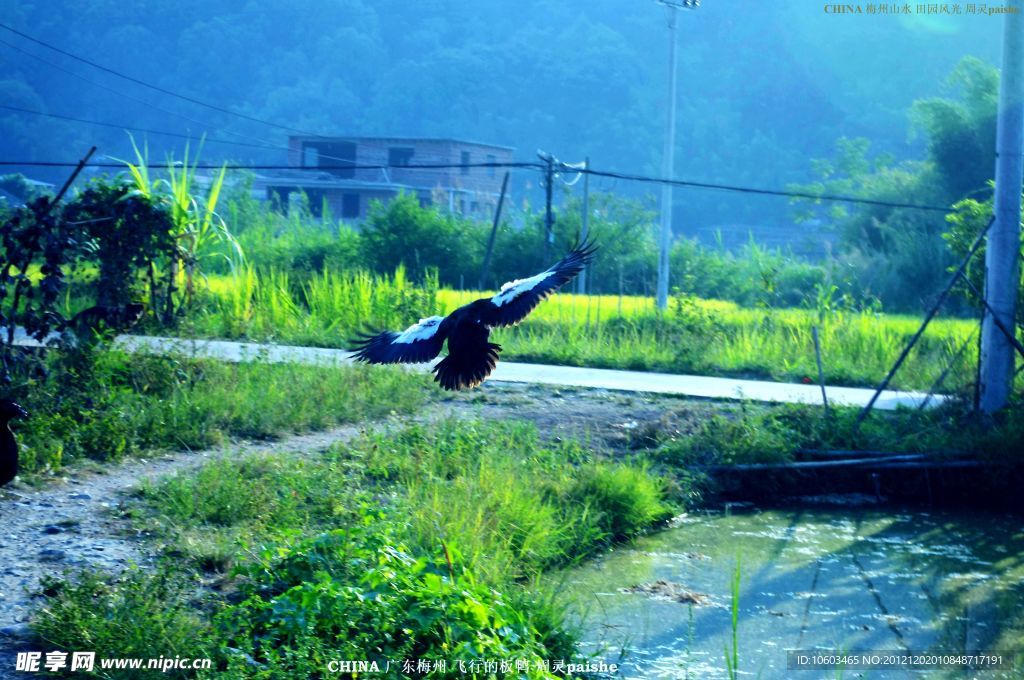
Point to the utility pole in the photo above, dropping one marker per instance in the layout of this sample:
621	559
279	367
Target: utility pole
668	156
1001	269
585	220
549	220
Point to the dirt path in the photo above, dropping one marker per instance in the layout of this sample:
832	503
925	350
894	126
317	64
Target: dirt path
74	522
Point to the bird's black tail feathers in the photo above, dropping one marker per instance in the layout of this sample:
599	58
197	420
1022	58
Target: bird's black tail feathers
461	370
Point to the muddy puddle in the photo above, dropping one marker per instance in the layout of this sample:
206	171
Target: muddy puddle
829	580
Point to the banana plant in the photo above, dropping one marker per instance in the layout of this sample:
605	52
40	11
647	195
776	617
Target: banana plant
198	231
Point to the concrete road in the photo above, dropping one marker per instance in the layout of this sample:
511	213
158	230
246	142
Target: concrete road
567	376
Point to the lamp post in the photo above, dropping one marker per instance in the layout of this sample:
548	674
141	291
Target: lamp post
668	157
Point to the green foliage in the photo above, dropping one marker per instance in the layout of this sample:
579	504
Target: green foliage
962	131
359	593
965	225
512	504
732	657
106	405
197	233
751	433
605	331
421	239
327	310
295	243
412	544
735	438
138	614
753	276
128	234
627	499
37	245
897	254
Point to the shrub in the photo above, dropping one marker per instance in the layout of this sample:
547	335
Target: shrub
360	594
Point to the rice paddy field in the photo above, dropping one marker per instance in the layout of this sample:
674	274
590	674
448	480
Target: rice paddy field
709	337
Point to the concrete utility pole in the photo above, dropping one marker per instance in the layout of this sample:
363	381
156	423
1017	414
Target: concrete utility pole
668	157
1002	279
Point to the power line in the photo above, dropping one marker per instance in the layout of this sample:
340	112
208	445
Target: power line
166	133
767	192
262	142
528	165
122	94
157	88
228	166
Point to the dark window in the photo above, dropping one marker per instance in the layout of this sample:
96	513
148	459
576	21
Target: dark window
350	205
330	155
465	162
491	158
399	155
310	156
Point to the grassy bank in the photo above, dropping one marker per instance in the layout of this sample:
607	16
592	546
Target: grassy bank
693	336
774	433
418	544
110	404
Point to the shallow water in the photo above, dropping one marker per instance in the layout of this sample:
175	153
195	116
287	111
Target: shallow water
837	580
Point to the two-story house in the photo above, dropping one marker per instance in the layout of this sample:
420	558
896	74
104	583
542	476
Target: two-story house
331	172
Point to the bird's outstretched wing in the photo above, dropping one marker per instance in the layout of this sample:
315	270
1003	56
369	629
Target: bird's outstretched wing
416	344
518	298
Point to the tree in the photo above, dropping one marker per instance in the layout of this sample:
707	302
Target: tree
898	253
421	238
127	234
34	237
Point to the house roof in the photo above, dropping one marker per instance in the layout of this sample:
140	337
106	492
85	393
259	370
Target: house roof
392	138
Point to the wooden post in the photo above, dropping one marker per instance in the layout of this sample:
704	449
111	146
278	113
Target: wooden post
494	233
821	372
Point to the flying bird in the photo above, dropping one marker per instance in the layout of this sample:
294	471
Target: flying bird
8	444
471	356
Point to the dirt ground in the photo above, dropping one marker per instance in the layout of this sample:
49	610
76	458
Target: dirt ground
74	519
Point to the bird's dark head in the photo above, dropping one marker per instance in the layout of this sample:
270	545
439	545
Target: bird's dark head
10	410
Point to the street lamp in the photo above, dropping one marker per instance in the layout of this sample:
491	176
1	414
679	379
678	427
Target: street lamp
668	157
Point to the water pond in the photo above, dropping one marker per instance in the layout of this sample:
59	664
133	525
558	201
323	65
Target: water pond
810	579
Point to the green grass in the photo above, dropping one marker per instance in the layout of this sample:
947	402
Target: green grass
625	332
514	506
772	433
422	543
110	404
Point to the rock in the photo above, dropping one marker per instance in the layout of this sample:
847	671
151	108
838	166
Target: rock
51	529
80	497
669	590
51	555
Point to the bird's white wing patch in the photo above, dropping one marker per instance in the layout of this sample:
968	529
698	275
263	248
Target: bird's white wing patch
423	330
513	289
